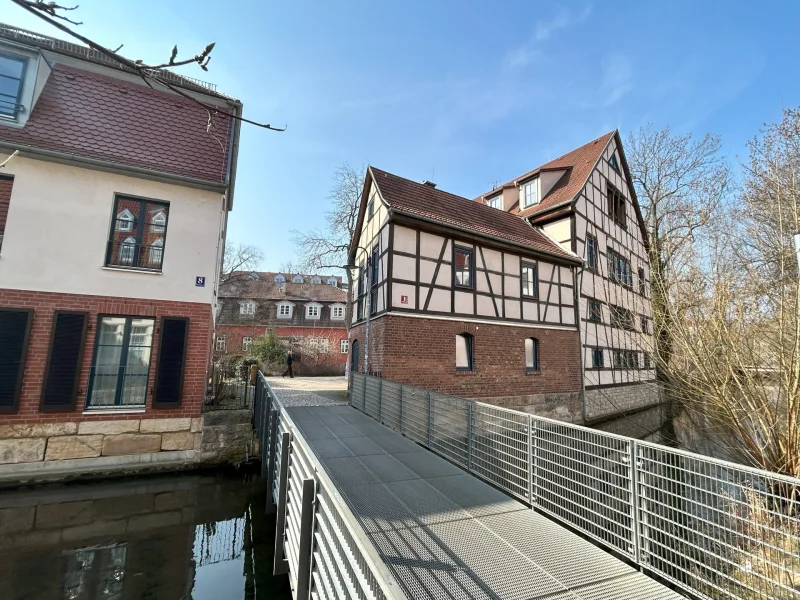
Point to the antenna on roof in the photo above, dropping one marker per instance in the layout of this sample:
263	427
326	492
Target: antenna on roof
494	184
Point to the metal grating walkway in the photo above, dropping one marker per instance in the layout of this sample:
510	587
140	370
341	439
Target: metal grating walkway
446	534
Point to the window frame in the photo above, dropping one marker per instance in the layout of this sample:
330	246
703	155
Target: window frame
598	364
217	340
471	253
523	197
642	282
613	162
247	341
279	278
280	307
334	308
621	317
344	346
251	308
25	346
591	304
333	281
138	227
592	253
374	274
495	200
317	308
298	279
79	363
522	280
624	275
536	365
316	280
125	349
17	103
470	348
617	206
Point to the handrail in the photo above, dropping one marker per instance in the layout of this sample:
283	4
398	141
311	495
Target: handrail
712	527
360	557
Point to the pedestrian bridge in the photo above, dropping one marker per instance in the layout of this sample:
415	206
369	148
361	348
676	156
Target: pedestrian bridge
365	511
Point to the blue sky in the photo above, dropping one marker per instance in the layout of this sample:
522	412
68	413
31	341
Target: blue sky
464	93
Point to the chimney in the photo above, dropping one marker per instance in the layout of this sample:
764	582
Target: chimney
430	184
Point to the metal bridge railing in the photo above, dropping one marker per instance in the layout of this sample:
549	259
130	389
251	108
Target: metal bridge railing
318	541
714	528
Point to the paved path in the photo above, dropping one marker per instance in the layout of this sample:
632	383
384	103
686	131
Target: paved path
447	535
310	391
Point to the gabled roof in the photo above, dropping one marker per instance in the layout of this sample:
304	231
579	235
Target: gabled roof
240	286
104	118
404	196
578	164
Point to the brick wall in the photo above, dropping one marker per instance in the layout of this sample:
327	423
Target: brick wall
6	183
44	304
422	352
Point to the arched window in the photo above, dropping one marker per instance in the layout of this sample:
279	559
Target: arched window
298	279
316	280
126	250
531	354
156	253
464	352
280	278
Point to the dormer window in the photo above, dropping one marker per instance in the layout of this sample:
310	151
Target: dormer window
530	193
254	277
298	279
285	310
12	70
247	308
337	312
279	278
316	280
159	222
495	201
333	281
125	221
313	310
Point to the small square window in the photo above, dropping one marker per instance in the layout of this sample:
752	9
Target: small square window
597	358
312	311
337	312
247	308
284	311
463	268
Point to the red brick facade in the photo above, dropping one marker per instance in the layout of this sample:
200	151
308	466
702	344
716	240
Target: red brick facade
6	183
422	352
45	303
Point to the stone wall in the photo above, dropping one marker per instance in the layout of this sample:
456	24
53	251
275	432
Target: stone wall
563	407
608	401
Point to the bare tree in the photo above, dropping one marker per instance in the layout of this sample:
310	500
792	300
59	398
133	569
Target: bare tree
327	249
54	14
239	258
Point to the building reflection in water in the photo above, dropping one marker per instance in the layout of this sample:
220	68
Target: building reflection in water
94	572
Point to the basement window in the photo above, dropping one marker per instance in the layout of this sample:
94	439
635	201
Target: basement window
464	349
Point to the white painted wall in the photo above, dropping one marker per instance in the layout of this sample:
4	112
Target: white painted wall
58	227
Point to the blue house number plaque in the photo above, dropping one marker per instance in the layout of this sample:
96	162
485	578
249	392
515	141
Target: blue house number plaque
200	281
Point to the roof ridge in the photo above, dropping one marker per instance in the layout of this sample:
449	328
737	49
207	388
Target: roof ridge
435	189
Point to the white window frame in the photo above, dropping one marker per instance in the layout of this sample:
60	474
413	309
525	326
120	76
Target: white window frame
247	341
337	308
333	281
285	305
158	223
316	280
314	307
247	307
156	252
529	193
127	250
220	343
127	219
298	279
344	346
320	345
495	201
279	278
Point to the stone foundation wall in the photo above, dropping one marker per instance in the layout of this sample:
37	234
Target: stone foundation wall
609	401
563	407
643	425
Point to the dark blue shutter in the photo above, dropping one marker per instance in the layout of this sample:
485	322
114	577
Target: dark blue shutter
63	369
171	362
15	326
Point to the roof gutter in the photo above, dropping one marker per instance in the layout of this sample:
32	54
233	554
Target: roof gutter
112	167
233	154
562	257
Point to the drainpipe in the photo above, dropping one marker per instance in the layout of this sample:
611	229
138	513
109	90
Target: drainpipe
369	311
579	282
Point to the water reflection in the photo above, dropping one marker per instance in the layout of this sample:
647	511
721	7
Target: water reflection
176	537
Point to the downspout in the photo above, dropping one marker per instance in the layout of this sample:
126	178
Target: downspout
369	312
578	287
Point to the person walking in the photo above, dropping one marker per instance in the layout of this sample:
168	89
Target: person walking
288	365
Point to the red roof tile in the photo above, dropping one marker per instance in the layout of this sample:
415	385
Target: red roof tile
105	118
239	285
578	163
448	209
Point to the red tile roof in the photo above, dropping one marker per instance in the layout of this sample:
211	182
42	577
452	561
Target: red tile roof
104	118
421	200
578	163
241	286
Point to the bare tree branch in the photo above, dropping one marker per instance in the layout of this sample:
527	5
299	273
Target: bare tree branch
239	260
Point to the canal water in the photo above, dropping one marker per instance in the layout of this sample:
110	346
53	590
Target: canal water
167	537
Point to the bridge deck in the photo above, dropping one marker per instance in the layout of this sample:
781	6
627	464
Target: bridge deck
446	534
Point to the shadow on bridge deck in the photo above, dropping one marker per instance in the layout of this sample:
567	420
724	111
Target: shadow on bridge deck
448	535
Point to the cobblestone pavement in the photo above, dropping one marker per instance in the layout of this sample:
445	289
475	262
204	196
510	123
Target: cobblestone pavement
310	391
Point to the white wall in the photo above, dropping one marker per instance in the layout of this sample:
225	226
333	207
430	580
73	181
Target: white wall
58	227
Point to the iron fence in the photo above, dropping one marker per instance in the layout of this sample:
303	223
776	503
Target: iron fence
228	390
319	543
714	528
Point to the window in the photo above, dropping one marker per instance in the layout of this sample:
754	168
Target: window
592	252
619	268
254	276
279	278
12	69
319	345
312	311
220	344
137	234
15	326
373	297
246	342
463	268
613	162
616	206
371	207
495	202
595	311
645	323
529	280
333	281
621	317
337	312
361	291
597	358
64	361
464	348
647	362
247	308
298	279
626	359
642	282
121	362
316	280
344	346
531	354
530	193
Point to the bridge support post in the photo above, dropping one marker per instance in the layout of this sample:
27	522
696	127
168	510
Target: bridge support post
271	459
262	428
430	420
281	565
306	557
380	401
401	409
634	492
531	461
469	437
